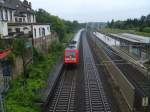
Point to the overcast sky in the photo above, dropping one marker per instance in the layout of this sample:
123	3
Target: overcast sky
94	10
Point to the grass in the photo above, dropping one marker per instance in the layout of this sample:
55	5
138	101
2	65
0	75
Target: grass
23	98
132	31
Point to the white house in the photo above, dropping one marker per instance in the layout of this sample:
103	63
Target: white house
15	11
15	14
40	30
17	18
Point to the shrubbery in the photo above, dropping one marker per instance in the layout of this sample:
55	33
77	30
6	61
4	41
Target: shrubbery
56	46
22	98
146	29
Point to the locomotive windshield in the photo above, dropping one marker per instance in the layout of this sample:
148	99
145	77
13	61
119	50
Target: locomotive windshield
72	54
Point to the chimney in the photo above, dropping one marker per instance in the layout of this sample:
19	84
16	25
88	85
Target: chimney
25	2
30	4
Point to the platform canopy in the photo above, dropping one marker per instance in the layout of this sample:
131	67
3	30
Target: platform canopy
133	38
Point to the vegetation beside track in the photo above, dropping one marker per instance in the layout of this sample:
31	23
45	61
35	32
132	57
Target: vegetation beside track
132	31
24	97
138	26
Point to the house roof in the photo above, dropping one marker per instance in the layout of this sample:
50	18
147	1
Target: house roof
4	53
18	5
10	3
19	24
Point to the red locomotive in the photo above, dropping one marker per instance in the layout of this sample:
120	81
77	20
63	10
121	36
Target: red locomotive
71	54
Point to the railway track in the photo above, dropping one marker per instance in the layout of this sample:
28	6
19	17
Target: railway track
79	89
67	96
64	97
95	97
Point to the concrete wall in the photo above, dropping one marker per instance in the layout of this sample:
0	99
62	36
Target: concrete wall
18	67
3	28
42	44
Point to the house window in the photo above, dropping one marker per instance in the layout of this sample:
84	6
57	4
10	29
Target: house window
20	19
40	31
0	14
18	30
35	32
24	20
11	15
48	28
9	30
16	20
6	14
25	28
43	31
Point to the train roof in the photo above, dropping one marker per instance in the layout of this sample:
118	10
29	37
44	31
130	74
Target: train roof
75	41
71	47
77	36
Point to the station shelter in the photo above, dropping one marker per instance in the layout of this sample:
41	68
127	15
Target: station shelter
133	46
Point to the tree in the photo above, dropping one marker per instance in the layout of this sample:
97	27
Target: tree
148	20
108	24
142	24
58	25
112	23
19	48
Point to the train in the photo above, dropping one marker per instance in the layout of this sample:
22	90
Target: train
71	53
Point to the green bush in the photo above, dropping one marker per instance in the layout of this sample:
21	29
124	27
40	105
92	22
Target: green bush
56	46
11	57
37	55
146	29
23	98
